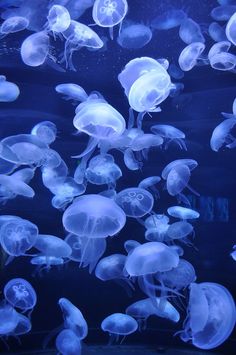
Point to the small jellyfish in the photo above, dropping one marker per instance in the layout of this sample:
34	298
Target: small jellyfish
146	140
180	230
109	13
136	202
231	27
65	190
67	343
233	254
20	294
211	315
12	186
50	245
72	92
190	54
94	216
223	12
181	276
222	136
35	49
13	24
46	131
216	32
177	179
155	220
223	61
8	91
149	184
191	164
118	324
130	160
134	36
45	262
182	212
168	20
58	19
170	134
190	32
218	48
130	244
9	319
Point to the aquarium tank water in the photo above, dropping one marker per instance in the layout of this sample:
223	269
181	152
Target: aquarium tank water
117	177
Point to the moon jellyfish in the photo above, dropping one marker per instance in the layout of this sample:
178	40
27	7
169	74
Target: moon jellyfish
23	325
14	24
65	190
20	294
119	324
222	136
223	12
223	61
72	92
218	48
136	202
55	174
182	212
156	228
130	244
109	13
145	141
50	245
181	276
149	184
45	262
231	27
216	32
155	220
190	54
190	163
35	49
170	134
12	186
102	169
8	91
177	179
134	36
9	319
73	318
17	235
190	32
58	19
180	230
46	131
94	216
211	315
168	20
67	343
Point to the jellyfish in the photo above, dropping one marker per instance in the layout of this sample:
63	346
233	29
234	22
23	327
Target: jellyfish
155	220
12	186
180	230
73	318
50	245
6	167
72	92
43	262
175	72
9	319
143	309
146	140
13	24
23	326
190	54
9	92
86	251
211	315
52	175
25	175
219	47
35	49
94	216
181	276
20	294
130	160
118	324
223	12
149	184
233	254
135	201
17	235
156	228
223	61
216	32
190	163
177	179
182	213
102	169
170	134
190	32
130	244
109	13
58	19
168	20
230	28
46	131
77	36
134	35
222	136
67	343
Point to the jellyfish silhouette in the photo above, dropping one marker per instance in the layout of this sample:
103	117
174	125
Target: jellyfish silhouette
8	91
118	324
35	49
68	343
20	294
13	24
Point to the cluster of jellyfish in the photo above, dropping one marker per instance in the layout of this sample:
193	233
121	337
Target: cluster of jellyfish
156	266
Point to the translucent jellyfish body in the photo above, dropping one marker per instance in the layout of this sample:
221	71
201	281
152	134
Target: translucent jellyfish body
136	202
170	134
8	91
190	163
20	294
177	179
46	131
169	19
119	324
222	136
67	343
180	230
134	36
182	212
73	318
181	276
231	27
12	186
35	49
223	12
211	315
190	32
190	54
216	32
50	245
14	24
157	227
9	319
58	19
146	84
72	92
94	216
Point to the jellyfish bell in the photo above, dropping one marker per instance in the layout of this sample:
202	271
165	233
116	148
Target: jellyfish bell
13	24
177	179
182	212
190	163
170	134
190	32
68	343
20	294
230	28
155	220
72	91
46	131
130	245
222	136
119	324
181	276
11	186
217	32
50	245
94	216
134	36
190	54
9	91
223	12
58	19
223	61
35	49
9	317
180	230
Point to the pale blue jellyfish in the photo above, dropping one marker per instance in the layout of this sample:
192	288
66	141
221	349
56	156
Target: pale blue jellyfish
179	277
135	201
155	220
25	175
8	91
223	12
23	326
46	131
45	262
9	319
149	184
177	179
191	163
190	32
65	190
190	54
58	19
67	343
180	230
94	216
134	35
130	244
72	91
218	48
222	136
170	134
109	13
233	254
230	28
50	245
182	212
20	294
146	140
35	49
130	160
223	61
156	228
211	315
73	318
51	176
168	20
13	24
13	186
119	324
216	32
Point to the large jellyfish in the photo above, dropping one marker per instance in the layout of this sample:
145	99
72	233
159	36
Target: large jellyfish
94	216
35	49
190	163
67	343
190	54
109	13
8	91
134	35
170	134
211	315
119	324
222	136
20	294
135	201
